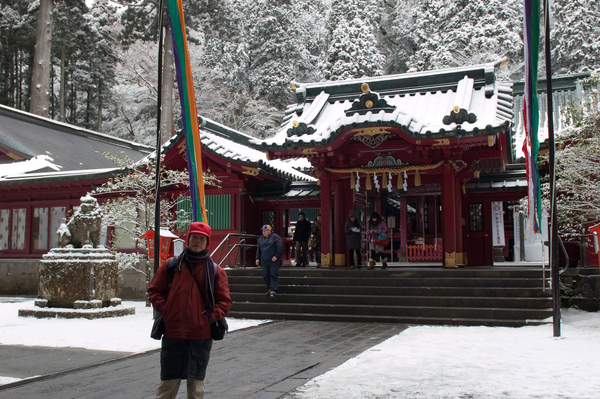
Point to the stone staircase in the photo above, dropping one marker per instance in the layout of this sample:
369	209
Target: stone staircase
509	296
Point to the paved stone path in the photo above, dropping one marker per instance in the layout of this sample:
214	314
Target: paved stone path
263	362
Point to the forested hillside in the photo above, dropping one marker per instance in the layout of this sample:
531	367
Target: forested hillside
102	67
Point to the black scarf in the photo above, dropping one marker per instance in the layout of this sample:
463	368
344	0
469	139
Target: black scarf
191	259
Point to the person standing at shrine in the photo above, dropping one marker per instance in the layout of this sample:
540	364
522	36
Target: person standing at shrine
301	236
377	232
353	239
268	255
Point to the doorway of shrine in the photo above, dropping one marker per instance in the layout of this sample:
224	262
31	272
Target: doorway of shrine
414	223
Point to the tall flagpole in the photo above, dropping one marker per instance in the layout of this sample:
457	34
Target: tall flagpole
158	142
553	210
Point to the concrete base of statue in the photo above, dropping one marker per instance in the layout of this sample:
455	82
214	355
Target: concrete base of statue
78	282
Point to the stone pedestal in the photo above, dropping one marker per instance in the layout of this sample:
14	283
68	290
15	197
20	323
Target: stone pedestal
68	275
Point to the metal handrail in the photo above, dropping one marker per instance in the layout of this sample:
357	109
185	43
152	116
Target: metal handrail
242	243
567	261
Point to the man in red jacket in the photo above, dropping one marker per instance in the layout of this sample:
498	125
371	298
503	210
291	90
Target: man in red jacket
187	312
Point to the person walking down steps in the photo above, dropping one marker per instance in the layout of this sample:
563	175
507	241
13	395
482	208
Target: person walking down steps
269	250
377	233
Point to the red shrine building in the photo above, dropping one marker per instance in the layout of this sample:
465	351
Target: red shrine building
432	152
406	146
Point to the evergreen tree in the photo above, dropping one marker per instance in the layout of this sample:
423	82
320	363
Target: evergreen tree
578	164
467	32
272	50
397	34
353	49
575	36
18	20
84	56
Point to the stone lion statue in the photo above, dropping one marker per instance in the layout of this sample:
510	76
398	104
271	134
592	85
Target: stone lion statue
84	227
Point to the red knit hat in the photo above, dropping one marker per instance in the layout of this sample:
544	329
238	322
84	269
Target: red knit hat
199	228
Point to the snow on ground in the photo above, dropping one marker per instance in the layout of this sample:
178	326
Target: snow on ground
473	362
121	334
421	362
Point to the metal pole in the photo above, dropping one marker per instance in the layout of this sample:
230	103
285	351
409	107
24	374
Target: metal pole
553	228
158	143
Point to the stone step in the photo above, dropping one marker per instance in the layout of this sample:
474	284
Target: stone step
508	297
366	281
438	272
278	307
389	319
260	287
391	300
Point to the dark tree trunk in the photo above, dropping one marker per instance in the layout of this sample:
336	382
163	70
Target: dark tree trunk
40	76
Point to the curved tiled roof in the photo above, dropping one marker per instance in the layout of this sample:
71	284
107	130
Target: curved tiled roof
418	103
235	146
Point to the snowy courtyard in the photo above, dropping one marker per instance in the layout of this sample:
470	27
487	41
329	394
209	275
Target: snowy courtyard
420	362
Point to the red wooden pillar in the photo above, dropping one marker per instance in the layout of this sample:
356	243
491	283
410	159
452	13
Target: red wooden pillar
338	223
326	220
403	228
460	248
450	214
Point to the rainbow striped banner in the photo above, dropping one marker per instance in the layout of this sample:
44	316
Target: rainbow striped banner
189	114
531	113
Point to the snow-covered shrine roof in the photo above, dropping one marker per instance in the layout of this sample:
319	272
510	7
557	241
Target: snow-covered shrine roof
235	146
421	104
34	148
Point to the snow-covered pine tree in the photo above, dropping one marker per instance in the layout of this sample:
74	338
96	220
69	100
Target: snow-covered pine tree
83	49
272	50
578	164
467	32
17	38
353	50
575	36
396	34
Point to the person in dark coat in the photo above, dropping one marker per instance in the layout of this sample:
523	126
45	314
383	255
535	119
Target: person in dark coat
269	250
353	239
192	304
301	236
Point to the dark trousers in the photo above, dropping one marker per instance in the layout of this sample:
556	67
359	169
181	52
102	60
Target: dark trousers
270	274
358	257
318	249
377	256
301	253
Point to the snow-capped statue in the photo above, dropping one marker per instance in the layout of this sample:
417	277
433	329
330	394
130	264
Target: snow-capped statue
84	227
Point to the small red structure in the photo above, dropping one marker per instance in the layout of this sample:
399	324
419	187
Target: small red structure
166	237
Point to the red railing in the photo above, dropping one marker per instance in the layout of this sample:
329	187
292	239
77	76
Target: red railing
424	253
